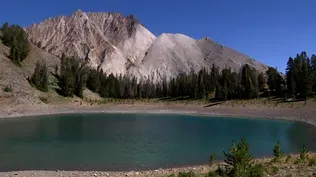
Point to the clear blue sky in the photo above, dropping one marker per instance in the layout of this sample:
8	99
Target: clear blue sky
267	30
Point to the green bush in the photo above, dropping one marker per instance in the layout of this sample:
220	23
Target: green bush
211	174
187	174
277	152
7	88
312	162
238	158
256	170
212	159
303	153
274	170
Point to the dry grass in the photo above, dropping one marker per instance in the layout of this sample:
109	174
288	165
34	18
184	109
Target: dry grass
16	77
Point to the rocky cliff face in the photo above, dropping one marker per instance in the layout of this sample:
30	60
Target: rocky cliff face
121	45
107	40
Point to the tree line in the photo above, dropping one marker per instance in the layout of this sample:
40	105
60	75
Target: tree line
74	76
15	37
299	80
301	75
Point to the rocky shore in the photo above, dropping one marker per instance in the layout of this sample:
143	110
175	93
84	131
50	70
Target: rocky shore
284	168
302	113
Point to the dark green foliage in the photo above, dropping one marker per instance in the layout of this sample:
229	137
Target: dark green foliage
7	89
212	159
256	170
222	171
187	174
275	81
277	152
81	79
226	84
204	84
73	76
238	158
261	82
93	82
312	162
39	78
303	153
15	37
211	174
249	82
290	79
66	79
301	75
273	170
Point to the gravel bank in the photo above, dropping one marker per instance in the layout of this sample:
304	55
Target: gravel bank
305	114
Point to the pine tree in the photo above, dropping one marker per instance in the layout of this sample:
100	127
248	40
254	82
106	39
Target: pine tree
35	79
104	89
261	82
239	158
290	79
305	76
255	83
275	81
5	27
93	81
303	153
67	77
16	38
201	86
214	77
246	82
40	76
165	86
277	152
14	56
6	38
81	79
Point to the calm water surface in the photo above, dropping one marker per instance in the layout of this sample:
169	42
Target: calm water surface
136	141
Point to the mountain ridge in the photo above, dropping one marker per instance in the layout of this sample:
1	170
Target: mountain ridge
122	45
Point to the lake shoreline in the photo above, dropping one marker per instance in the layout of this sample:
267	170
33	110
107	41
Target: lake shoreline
288	114
304	114
285	168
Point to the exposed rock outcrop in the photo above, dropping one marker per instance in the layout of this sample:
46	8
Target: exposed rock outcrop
122	45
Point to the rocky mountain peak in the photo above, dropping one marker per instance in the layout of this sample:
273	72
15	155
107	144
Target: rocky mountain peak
122	45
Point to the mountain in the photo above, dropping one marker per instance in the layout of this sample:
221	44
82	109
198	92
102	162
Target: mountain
122	45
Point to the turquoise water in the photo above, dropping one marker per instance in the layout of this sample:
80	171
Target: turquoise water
136	141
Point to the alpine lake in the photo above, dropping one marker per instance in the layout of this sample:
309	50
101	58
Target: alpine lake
123	142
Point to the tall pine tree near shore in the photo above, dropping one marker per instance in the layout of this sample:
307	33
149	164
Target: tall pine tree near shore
40	77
